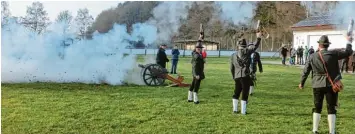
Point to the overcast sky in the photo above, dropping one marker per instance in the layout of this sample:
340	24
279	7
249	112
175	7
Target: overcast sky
18	8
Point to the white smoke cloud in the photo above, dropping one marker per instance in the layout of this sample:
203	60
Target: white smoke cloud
344	11
167	17
236	11
29	57
135	76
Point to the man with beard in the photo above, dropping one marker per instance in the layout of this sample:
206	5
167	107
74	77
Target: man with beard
325	68
240	69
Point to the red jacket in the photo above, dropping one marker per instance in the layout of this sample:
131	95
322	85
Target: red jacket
204	54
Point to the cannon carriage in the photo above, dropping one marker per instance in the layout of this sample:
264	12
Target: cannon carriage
155	75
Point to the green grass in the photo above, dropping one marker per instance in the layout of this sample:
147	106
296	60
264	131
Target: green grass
276	107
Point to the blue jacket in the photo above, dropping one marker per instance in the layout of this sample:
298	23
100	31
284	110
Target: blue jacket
175	53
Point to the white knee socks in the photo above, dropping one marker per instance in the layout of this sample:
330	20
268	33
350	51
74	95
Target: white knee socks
243	107
235	105
251	89
331	123
189	96
316	119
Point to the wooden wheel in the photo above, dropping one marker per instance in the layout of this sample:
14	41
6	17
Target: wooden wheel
154	75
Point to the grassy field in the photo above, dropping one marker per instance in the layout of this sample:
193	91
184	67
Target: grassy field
277	106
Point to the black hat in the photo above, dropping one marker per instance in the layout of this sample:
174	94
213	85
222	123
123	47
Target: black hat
324	40
199	44
163	45
242	43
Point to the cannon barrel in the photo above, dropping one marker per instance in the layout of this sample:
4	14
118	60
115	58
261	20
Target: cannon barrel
141	66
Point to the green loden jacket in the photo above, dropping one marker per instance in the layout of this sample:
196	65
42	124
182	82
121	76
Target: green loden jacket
241	68
198	65
306	52
314	63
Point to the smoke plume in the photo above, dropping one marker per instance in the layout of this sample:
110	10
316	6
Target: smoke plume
237	12
343	12
167	17
30	57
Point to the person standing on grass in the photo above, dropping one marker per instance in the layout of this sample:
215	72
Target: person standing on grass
290	51
298	54
320	83
305	53
284	54
255	60
301	61
161	56
197	73
240	69
293	56
175	53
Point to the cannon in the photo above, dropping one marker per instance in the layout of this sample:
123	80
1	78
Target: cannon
155	75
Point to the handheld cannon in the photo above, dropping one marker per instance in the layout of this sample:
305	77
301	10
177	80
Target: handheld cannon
155	75
261	29
350	30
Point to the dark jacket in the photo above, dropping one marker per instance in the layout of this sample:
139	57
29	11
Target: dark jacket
310	51
198	65
175	53
240	61
300	51
284	51
162	58
255	59
315	64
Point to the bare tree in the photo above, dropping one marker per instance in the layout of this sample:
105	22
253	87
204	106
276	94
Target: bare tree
36	17
5	13
65	18
83	21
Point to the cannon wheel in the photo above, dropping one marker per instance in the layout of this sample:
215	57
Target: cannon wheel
153	75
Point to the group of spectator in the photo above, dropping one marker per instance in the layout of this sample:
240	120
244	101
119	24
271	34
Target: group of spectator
297	56
300	56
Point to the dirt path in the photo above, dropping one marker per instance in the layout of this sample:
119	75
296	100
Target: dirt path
279	63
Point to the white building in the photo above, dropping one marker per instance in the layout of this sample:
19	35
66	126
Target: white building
307	32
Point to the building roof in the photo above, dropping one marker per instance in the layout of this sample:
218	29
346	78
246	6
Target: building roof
312	21
195	41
